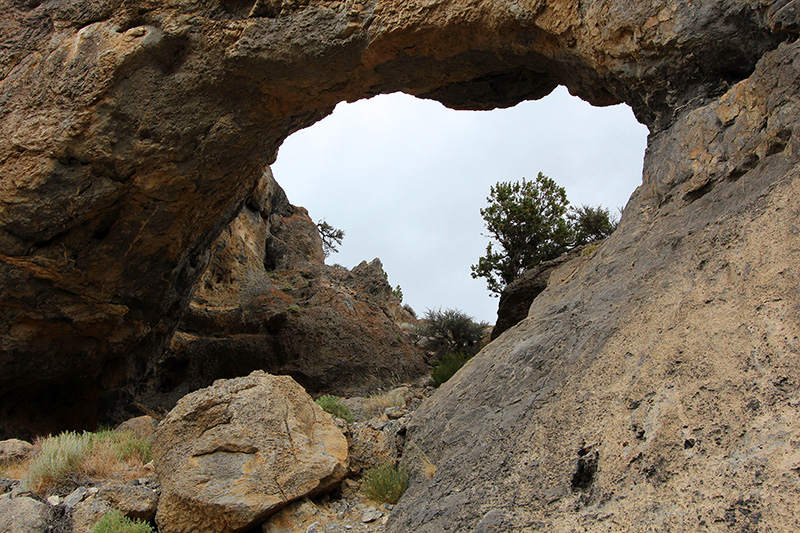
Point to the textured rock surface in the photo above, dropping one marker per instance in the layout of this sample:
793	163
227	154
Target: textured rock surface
655	386
131	132
23	515
231	454
516	298
268	302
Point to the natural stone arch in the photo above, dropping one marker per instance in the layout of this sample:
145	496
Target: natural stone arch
131	132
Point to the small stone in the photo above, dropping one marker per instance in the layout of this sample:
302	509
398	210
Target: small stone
370	515
53	500
75	497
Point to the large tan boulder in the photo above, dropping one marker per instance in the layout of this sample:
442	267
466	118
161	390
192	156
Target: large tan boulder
231	454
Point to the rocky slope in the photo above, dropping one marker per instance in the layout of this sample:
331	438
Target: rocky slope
267	301
652	386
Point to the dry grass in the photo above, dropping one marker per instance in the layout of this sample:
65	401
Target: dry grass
428	469
377	403
71	458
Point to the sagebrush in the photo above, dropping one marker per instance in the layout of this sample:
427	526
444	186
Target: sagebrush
333	405
72	457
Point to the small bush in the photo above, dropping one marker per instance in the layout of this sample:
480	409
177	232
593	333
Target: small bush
59	459
70	457
116	522
385	483
448	366
332	404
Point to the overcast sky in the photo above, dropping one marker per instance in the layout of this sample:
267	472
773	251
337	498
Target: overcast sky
406	179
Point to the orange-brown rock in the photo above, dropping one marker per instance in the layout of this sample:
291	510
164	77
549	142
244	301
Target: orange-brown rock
231	454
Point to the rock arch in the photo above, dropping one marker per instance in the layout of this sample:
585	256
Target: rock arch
131	131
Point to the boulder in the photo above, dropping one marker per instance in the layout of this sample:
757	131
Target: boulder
142	426
12	450
134	501
23	515
231	454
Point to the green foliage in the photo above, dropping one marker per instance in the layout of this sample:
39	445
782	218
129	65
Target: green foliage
591	224
330	237
385	483
398	293
116	522
332	404
528	221
60	457
451	330
448	366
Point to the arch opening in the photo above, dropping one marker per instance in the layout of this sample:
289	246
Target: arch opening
406	178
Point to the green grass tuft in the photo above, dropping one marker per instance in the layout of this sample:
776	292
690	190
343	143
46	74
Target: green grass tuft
385	483
116	522
332	404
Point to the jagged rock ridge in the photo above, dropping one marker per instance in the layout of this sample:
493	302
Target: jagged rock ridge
662	370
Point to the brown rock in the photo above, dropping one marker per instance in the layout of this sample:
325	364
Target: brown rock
136	502
12	450
267	302
88	513
23	515
142	426
516	298
230	455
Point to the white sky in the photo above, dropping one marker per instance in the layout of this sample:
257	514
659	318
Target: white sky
406	178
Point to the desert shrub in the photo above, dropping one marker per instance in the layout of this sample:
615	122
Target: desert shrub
332	405
385	483
58	460
448	366
451	330
72	456
116	522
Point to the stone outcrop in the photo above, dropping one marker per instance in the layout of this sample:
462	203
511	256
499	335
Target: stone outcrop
23	515
268	302
653	387
231	454
516	298
131	133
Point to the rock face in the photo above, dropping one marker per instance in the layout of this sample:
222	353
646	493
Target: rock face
654	387
267	301
131	133
516	298
231	454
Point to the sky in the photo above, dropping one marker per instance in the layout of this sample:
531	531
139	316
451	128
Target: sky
406	178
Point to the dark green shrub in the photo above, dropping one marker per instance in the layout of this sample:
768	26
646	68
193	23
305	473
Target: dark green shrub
385	483
116	522
451	330
448	366
332	404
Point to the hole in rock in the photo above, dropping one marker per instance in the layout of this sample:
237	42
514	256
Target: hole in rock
406	178
583	478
